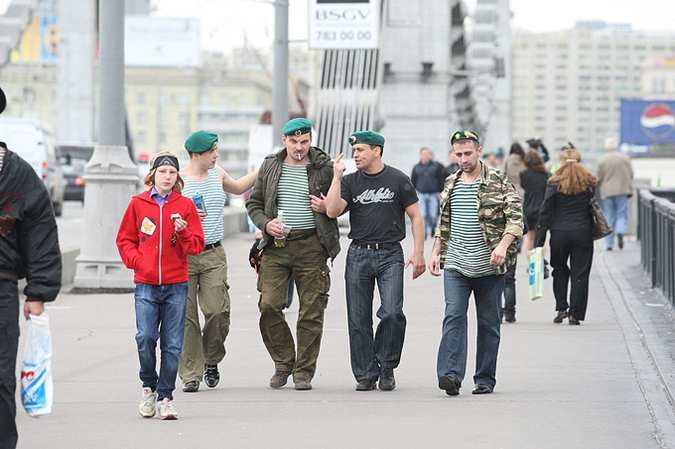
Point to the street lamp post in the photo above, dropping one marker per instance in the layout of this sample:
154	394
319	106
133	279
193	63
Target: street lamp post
280	89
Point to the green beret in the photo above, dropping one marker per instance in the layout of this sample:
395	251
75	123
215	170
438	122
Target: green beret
369	137
297	127
464	135
201	141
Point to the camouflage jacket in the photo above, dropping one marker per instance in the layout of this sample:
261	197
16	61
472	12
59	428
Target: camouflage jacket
499	212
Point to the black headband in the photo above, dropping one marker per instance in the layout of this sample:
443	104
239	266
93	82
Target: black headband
166	160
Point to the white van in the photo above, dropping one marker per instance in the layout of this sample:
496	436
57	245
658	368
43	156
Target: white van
35	141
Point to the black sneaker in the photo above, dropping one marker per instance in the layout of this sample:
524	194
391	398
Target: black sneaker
191	387
211	375
619	240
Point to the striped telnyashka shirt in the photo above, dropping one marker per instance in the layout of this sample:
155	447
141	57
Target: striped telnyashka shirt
293	197
214	201
467	252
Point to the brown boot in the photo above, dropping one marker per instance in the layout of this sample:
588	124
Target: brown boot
302	384
279	379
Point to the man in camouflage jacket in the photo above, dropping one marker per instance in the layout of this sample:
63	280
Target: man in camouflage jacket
476	240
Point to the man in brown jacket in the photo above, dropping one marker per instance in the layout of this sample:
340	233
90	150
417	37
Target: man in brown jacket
615	181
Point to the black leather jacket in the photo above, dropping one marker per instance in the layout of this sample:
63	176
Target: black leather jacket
29	241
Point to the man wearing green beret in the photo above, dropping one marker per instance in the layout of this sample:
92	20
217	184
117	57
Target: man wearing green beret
476	240
205	181
294	181
377	196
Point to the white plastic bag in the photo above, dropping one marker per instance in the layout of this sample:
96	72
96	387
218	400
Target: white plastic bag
535	259
37	389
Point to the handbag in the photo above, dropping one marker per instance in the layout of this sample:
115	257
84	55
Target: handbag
601	227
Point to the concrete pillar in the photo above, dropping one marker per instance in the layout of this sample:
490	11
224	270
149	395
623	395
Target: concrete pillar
111	178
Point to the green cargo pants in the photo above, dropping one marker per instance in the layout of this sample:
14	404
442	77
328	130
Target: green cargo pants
208	288
305	259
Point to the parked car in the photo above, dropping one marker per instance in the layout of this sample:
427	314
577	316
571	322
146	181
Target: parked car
73	158
35	141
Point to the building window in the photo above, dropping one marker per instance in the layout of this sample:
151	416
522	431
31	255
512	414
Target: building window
140	98
141	118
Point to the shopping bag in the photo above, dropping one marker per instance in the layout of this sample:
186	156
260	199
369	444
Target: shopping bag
37	389
535	259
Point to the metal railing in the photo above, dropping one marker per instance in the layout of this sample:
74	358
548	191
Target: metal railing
656	231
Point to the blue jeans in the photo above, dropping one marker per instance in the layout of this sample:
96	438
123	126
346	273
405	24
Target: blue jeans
363	268
452	353
615	209
160	314
430	211
510	291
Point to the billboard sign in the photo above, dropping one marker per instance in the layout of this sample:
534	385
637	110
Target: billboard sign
344	24
648	127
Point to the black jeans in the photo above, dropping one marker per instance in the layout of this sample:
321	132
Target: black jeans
9	343
577	248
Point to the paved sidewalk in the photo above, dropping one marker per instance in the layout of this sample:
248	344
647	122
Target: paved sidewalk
606	383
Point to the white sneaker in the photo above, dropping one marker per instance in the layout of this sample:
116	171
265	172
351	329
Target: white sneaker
165	409
147	405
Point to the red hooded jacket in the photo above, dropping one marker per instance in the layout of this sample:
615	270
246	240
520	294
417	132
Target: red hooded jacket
149	244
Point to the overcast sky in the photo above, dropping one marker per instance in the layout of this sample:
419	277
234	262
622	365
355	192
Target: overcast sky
225	24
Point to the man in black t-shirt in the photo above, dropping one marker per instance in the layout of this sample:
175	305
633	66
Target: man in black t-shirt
377	196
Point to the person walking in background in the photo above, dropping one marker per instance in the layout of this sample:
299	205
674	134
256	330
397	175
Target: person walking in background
565	212
481	223
533	182
537	145
158	230
428	177
208	289
29	248
513	167
615	181
377	196
453	166
294	180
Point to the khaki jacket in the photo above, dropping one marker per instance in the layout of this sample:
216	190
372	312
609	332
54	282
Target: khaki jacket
499	213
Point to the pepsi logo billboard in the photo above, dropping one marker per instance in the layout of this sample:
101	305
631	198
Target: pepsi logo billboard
646	125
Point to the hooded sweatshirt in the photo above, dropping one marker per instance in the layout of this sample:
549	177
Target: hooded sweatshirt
149	244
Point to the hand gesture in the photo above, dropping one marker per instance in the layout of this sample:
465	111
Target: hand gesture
339	167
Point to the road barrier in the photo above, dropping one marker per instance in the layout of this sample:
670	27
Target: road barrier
656	232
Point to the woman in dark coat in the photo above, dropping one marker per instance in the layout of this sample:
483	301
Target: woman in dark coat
566	213
533	182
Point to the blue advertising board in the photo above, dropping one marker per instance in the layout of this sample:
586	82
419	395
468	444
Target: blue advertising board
647	127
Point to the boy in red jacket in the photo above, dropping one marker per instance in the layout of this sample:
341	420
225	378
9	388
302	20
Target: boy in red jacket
159	229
